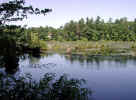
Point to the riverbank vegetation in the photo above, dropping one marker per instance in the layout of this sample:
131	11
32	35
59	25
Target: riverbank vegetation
93	47
79	32
13	11
92	36
90	30
85	36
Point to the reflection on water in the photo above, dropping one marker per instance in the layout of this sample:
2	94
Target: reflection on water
48	87
10	62
110	78
97	61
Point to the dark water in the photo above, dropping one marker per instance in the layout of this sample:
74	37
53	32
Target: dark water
110	78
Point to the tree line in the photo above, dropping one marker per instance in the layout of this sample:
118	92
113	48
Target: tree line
88	30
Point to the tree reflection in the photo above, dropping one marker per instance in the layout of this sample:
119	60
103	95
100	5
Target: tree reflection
8	55
48	88
25	88
98	60
75	57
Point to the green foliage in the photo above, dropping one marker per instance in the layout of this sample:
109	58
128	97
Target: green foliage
43	45
133	45
82	30
91	30
48	88
15	10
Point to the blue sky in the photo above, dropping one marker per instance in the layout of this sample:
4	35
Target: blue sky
66	10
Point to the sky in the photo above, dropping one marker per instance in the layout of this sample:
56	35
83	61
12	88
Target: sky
66	10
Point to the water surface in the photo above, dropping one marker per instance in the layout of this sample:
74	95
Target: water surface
110	78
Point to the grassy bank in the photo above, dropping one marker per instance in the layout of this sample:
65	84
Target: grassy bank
93	47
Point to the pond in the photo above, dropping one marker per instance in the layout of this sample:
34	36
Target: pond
108	77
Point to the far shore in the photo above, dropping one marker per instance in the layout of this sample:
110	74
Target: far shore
96	48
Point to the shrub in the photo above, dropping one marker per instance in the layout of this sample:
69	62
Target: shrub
48	88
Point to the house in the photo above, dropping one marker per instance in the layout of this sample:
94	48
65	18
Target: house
50	35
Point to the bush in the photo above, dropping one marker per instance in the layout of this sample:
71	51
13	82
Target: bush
43	45
48	88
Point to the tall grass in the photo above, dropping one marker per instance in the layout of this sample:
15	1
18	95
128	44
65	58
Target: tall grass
92	47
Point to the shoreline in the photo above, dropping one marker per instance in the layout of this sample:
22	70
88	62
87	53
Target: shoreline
94	48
